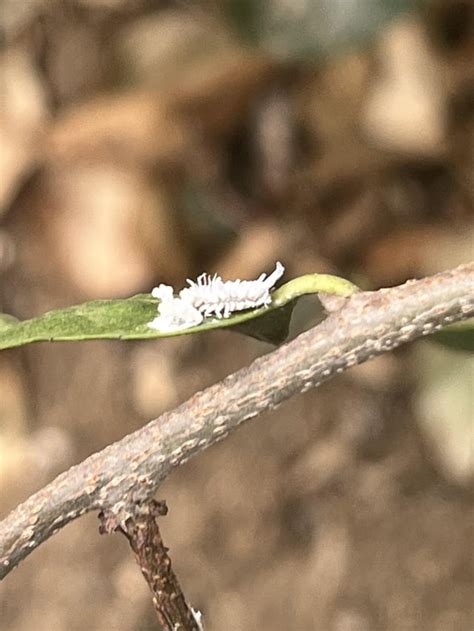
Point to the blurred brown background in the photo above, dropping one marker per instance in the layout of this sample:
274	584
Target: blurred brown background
146	141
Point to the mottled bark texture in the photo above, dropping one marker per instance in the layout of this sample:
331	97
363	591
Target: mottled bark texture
144	537
129	471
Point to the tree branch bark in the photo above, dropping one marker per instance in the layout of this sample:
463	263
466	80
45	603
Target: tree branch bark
129	471
144	537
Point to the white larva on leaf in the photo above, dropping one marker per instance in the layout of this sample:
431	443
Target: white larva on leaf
214	296
174	314
211	296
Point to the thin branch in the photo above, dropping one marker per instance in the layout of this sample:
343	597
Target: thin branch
144	537
130	470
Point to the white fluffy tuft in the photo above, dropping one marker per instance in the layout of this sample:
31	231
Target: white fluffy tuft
211	296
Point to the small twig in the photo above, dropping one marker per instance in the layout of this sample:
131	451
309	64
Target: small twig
130	471
144	537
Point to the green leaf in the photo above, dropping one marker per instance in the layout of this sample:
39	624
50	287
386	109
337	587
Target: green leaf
273	326
128	319
6	321
458	336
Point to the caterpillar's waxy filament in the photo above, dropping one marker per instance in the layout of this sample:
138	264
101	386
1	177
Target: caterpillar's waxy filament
210	296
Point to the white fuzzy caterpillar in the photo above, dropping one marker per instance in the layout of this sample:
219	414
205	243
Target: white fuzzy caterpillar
174	313
214	296
211	296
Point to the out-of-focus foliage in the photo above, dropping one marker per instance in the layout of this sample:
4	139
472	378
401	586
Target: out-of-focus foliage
457	336
445	407
309	29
